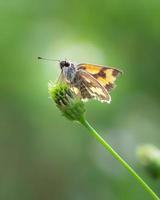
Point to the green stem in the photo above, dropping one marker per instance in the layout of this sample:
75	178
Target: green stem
117	157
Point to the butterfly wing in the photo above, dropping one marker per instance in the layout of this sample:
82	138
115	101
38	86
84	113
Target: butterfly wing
106	76
90	88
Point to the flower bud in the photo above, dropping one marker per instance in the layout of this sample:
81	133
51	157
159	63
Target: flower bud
149	157
70	105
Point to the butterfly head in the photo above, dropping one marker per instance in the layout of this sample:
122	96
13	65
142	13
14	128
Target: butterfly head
64	63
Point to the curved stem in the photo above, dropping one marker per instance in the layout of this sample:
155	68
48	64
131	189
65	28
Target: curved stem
117	157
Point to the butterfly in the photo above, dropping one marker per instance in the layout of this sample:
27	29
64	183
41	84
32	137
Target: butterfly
89	81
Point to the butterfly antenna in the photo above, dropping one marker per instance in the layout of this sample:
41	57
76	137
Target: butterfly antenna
47	59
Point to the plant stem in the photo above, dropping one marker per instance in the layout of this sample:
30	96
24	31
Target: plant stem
117	157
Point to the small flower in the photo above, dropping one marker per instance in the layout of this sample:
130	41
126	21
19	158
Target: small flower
149	157
70	105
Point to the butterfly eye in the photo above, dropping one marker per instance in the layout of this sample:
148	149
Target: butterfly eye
67	64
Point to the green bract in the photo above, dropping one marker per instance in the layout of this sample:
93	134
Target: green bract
70	105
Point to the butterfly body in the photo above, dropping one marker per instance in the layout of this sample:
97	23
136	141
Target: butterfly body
89	81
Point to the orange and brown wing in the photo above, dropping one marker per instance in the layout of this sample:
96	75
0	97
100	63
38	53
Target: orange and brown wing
106	76
88	87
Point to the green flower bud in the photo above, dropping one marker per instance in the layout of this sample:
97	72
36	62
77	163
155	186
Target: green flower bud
149	157
70	105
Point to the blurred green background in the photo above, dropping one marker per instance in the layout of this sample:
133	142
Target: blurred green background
44	156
